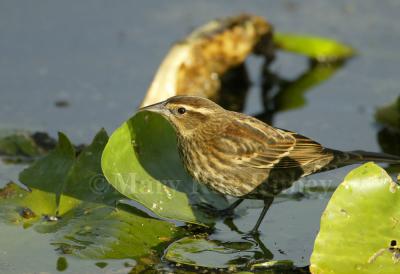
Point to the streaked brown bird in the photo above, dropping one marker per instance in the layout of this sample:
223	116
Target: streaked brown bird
238	155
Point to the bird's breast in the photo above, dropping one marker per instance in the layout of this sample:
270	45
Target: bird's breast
216	168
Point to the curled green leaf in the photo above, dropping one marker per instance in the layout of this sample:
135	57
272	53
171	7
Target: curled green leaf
141	161
318	48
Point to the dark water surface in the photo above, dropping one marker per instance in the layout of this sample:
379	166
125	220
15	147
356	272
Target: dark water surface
95	59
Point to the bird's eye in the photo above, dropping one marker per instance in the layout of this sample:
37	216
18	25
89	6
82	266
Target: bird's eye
181	110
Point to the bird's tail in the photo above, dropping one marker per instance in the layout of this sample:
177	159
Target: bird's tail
359	156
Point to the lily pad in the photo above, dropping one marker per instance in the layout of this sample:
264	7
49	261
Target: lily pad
141	161
23	143
69	199
18	144
228	255
318	48
360	227
210	254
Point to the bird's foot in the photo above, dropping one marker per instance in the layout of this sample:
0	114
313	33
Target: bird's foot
213	211
254	233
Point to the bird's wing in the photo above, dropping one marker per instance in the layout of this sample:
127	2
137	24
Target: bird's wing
251	143
248	142
305	152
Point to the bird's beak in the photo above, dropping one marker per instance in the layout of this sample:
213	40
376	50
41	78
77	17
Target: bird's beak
157	108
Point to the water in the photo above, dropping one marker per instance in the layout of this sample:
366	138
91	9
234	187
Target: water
100	58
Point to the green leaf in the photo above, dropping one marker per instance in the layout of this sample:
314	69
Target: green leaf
18	143
318	48
215	254
141	161
50	173
361	221
389	115
70	200
21	145
210	254
103	232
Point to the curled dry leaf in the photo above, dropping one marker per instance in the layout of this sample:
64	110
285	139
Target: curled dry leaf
194	66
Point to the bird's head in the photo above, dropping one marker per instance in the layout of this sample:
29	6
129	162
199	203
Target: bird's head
186	113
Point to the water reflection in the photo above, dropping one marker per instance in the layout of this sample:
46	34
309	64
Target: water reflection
280	94
388	140
235	85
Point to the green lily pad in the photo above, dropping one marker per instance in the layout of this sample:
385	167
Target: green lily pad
359	225
23	143
142	162
318	48
210	254
69	199
214	254
389	115
18	144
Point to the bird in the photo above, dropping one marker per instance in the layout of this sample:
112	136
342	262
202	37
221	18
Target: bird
238	155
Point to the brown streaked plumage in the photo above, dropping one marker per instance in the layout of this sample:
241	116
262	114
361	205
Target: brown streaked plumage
238	155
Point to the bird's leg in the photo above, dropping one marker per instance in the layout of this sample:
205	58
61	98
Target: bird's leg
267	204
